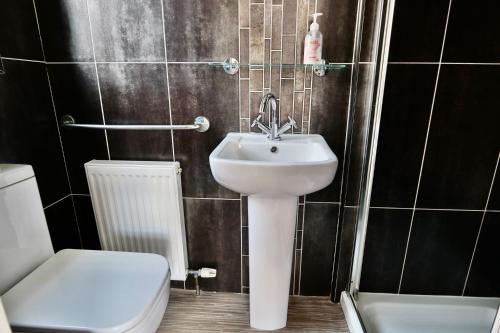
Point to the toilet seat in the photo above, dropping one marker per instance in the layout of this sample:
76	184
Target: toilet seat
91	291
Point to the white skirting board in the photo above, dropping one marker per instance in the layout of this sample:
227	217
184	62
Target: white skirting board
138	208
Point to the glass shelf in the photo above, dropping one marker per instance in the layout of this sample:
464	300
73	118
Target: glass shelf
232	66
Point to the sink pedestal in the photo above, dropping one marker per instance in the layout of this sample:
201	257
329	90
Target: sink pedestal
271	230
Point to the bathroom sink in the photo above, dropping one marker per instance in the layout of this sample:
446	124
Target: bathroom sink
273	173
250	163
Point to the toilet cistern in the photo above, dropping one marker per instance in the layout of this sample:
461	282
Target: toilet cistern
273	132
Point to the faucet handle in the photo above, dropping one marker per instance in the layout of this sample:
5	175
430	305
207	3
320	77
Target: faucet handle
256	120
292	122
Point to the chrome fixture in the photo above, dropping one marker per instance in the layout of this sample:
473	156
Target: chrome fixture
273	132
201	124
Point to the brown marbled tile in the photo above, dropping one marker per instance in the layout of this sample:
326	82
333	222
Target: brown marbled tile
244	13
244	125
267	61
200	90
286	100
257	1
305	127
256	79
245	271
127	30
217	223
308	77
244	210
244	51
298	110
276	28
277	2
296	275
268	12
289	16
244	240
276	73
244	99
136	94
256	33
288	49
307	104
255	98
201	30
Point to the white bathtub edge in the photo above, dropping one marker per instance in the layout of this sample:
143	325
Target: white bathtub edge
350	314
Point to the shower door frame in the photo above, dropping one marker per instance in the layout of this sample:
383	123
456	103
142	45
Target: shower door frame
381	47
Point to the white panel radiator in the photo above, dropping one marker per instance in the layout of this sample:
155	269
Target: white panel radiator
138	208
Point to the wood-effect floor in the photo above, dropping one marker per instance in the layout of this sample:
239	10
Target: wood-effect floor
226	312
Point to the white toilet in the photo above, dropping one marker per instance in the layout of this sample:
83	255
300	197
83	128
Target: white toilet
72	290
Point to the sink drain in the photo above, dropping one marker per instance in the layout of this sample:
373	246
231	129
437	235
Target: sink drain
274	149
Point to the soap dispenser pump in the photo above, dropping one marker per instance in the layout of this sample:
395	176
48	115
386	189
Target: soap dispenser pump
313	43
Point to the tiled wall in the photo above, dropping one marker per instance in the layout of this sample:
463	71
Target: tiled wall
28	126
435	209
146	61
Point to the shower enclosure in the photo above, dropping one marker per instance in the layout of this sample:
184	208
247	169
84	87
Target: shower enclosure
407	259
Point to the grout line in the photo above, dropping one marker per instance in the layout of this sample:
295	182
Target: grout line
431	209
221	199
81	194
425	147
481	225
168	80
25	60
97	77
239	126
39	32
323	202
57	201
76	220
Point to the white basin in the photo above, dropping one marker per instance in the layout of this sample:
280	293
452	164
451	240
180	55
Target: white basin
273	174
301	164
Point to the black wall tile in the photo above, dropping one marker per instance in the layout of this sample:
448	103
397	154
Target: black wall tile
75	92
198	90
345	248
439	252
136	94
201	30
320	226
418	30
86	222
19	37
338	38
213	234
494	201
127	30
62	225
330	101
463	142
473	32
28	129
65	30
405	116
385	247
484	275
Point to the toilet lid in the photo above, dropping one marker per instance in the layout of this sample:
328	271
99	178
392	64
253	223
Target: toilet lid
82	290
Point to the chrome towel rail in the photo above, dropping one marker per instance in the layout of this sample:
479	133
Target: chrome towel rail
201	124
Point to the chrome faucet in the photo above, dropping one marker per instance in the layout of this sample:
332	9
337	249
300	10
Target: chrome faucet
273	131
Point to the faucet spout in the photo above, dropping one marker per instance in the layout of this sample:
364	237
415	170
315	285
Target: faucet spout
273	131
